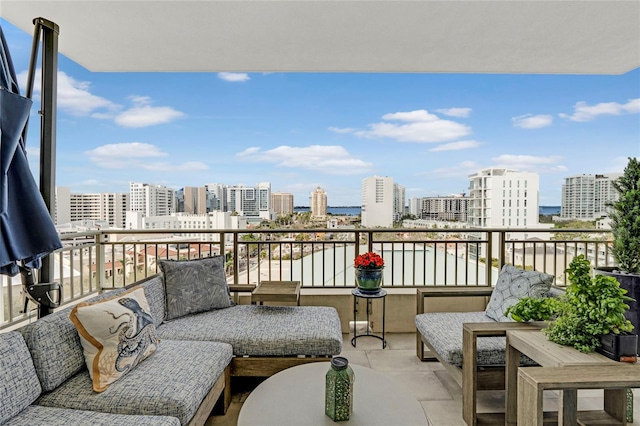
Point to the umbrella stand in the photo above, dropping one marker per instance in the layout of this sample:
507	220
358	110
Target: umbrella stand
46	296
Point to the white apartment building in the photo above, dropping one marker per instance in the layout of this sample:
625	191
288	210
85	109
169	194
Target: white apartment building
282	203
318	202
585	197
253	202
107	207
503	198
378	202
151	200
192	224
445	208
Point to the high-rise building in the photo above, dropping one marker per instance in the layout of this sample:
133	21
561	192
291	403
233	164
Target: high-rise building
217	197
585	197
318	202
502	198
449	208
151	200
108	207
195	200
252	202
381	202
282	203
398	202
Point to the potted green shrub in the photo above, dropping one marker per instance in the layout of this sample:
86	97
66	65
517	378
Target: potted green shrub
589	315
625	226
592	306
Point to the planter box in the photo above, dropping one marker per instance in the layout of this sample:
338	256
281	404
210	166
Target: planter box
615	346
631	283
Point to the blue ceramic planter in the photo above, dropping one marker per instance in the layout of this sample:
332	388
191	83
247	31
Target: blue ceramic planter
369	279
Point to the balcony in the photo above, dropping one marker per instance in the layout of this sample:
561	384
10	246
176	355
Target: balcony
93	262
321	259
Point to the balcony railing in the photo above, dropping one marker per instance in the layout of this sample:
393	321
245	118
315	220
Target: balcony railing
91	262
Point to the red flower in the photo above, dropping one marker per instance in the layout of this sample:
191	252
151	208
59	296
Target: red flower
368	260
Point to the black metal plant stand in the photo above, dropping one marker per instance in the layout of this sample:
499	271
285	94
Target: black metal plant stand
368	297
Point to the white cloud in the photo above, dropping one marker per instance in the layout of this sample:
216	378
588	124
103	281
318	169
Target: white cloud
464	168
342	129
530	121
418	126
74	96
584	112
333	160
234	76
136	155
529	163
455	112
456	146
146	115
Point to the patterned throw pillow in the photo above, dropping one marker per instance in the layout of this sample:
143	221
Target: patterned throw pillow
116	335
195	286
514	283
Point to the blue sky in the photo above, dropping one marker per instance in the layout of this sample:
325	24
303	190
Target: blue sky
303	130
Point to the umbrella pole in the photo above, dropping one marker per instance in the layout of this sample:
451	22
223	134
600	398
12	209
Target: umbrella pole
49	31
46	296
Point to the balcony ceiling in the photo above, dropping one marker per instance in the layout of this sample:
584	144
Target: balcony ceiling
478	36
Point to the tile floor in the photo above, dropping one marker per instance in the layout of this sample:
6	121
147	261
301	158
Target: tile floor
439	395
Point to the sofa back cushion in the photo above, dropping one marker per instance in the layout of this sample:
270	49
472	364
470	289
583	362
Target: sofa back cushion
19	385
196	285
54	342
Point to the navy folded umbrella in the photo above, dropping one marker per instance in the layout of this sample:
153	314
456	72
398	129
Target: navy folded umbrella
27	232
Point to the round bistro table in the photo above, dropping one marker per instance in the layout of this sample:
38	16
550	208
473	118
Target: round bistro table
295	397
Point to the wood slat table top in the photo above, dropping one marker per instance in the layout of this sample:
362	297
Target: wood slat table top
276	291
538	347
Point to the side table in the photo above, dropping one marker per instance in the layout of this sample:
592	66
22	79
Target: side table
276	291
368	297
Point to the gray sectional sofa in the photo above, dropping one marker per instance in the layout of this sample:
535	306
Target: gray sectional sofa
46	375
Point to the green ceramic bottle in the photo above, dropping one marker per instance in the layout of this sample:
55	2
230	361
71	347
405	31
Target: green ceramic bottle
339	390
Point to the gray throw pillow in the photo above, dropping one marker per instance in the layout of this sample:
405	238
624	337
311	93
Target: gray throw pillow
195	286
513	284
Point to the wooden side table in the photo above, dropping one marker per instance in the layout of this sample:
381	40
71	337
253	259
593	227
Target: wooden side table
536	346
276	291
473	379
533	381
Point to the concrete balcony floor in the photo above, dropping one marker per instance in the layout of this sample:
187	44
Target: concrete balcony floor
429	382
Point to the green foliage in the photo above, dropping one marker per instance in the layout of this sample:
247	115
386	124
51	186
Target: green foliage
592	306
534	309
625	219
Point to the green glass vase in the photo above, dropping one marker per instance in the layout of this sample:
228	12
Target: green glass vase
339	390
369	279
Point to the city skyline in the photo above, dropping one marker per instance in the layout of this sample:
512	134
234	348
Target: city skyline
428	132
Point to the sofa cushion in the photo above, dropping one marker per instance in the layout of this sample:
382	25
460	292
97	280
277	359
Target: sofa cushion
443	331
39	415
54	342
513	284
116	334
195	286
19	385
173	382
263	330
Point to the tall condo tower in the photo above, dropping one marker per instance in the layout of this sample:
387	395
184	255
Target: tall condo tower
318	202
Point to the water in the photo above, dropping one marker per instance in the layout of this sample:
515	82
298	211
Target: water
549	210
342	210
355	210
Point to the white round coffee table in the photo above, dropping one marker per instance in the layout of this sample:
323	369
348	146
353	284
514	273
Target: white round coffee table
295	397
